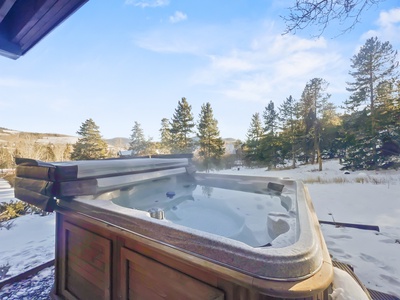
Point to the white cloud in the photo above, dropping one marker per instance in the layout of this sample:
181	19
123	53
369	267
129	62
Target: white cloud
178	16
187	39
164	43
231	63
147	3
388	26
272	67
388	18
245	64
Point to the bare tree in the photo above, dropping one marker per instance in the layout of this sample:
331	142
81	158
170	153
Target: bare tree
320	13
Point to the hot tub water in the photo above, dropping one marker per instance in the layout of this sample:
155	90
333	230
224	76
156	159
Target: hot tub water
238	215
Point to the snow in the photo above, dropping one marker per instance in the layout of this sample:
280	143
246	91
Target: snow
29	243
58	140
6	192
375	200
345	287
372	198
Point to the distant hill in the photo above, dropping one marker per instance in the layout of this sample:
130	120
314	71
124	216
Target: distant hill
230	140
118	142
12	136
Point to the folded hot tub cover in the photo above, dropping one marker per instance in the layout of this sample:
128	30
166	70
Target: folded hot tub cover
40	183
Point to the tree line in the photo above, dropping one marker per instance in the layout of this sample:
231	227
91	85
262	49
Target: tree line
366	136
177	136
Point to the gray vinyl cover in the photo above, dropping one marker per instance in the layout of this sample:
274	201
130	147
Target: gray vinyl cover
85	169
40	183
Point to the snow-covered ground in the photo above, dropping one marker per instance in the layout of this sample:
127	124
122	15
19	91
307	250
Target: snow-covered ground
368	197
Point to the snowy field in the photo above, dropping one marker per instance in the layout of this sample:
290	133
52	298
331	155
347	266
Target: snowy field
368	197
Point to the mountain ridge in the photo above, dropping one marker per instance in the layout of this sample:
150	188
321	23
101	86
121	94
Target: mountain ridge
10	135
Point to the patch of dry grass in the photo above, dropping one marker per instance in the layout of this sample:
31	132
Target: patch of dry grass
342	180
321	180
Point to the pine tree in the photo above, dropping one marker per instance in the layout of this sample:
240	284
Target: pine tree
270	118
288	117
330	125
374	67
138	143
165	134
270	142
312	103
387	114
210	142
253	151
90	145
181	127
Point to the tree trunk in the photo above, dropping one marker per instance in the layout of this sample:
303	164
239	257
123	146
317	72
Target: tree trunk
319	159
293	158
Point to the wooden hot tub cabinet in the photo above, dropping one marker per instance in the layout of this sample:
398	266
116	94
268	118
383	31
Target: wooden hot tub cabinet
110	246
95	260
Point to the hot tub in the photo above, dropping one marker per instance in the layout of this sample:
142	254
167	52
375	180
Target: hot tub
142	228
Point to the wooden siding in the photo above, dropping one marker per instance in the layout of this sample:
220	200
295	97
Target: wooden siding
86	264
148	279
23	23
99	261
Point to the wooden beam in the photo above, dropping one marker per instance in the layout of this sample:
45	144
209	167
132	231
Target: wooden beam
5	6
9	49
23	23
24	16
57	14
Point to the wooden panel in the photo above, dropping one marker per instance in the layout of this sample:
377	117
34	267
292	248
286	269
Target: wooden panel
25	22
5	6
85	267
87	253
86	270
30	30
81	288
131	279
148	279
23	16
184	263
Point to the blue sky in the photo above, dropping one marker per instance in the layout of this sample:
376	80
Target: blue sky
123	61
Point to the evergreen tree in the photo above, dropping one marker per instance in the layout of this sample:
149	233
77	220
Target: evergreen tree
90	145
331	124
288	117
253	151
313	101
374	71
388	110
210	142
138	143
181	127
270	142
165	133
270	118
